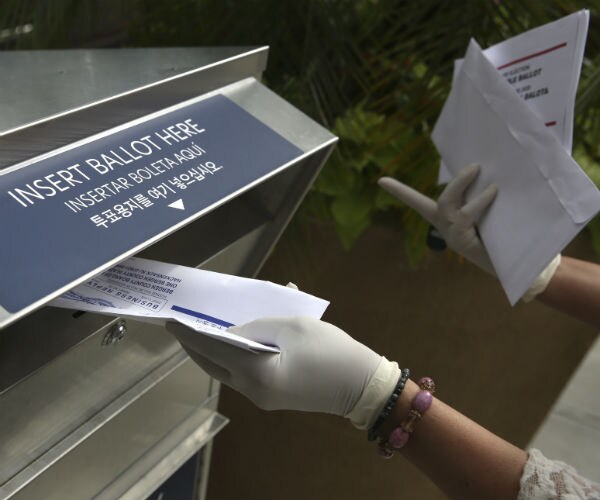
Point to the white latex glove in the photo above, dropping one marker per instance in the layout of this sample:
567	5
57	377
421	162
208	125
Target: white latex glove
542	281
450	215
456	220
320	368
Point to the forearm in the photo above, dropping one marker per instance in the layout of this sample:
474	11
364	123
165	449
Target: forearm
462	458
575	290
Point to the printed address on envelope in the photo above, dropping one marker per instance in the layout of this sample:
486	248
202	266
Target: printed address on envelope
209	302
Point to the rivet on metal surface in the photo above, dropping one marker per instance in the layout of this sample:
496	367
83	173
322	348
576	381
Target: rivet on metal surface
115	334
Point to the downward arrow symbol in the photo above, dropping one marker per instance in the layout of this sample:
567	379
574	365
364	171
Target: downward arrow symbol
177	204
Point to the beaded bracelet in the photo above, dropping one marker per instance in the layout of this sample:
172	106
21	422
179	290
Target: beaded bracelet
400	435
387	409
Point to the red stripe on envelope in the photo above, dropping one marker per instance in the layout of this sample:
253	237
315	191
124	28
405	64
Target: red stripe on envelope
531	56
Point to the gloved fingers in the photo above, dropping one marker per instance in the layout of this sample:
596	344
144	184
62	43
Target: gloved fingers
283	332
471	212
292	285
220	353
263	330
452	198
213	369
411	197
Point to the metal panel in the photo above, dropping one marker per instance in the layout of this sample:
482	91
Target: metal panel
76	98
138	449
45	415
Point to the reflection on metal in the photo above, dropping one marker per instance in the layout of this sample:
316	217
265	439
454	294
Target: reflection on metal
88	91
136	427
115	334
98	384
167	456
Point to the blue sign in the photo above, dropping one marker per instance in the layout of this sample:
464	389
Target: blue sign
69	214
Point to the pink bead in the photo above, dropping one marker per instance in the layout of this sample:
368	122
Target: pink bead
427	384
384	452
422	401
398	438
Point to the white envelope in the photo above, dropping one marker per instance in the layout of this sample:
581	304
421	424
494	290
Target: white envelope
206	301
544	197
542	65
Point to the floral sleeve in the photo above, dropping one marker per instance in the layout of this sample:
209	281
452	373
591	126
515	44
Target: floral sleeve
545	479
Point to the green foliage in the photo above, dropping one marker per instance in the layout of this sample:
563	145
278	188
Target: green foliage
594	229
58	23
370	146
587	154
376	72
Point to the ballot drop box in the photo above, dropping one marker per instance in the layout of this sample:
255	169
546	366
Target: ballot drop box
178	155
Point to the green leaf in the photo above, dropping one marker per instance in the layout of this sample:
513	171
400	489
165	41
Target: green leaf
357	125
589	166
349	234
352	215
351	211
336	178
384	200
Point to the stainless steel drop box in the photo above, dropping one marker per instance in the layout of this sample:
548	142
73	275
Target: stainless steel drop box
179	155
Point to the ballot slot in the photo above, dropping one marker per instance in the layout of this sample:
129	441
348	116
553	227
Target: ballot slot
90	240
26	345
69	381
270	203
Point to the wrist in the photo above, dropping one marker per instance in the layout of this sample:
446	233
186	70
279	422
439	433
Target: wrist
396	433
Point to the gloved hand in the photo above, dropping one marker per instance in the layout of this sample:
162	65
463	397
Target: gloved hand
320	368
456	220
451	216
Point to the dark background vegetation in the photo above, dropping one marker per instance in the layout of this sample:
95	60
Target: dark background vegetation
375	72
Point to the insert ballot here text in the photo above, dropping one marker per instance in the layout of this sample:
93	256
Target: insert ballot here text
140	161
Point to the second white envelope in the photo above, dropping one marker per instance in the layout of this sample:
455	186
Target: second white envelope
544	197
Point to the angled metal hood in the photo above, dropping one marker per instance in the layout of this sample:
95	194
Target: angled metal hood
56	101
